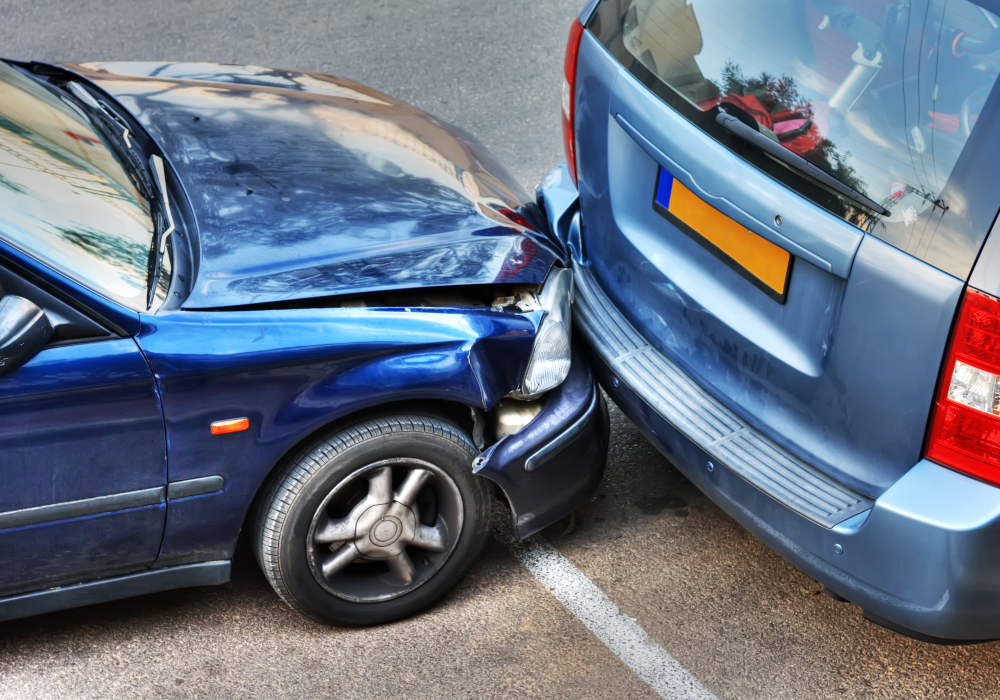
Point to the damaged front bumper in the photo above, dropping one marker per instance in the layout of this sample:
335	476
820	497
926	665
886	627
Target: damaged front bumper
554	464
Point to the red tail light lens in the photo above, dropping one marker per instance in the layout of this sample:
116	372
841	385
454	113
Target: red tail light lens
516	218
965	426
569	94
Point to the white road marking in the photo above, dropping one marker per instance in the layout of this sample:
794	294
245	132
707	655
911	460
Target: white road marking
619	632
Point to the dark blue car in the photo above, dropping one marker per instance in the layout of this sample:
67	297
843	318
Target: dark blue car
239	301
781	215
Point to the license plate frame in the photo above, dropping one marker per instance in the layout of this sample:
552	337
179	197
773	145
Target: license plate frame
767	266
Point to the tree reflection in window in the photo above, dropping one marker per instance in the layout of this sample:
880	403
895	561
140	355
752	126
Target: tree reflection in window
118	252
777	106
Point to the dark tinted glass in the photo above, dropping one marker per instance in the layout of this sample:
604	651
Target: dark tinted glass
886	97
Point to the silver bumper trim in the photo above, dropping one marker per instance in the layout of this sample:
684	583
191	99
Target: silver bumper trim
703	419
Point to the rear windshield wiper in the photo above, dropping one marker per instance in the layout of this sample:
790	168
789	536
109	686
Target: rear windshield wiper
116	133
741	131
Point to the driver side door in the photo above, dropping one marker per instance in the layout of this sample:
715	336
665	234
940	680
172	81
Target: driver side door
82	454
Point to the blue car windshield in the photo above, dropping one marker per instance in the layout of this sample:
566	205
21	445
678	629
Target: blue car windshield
64	198
881	95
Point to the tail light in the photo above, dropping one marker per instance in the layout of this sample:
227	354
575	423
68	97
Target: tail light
965	425
569	94
516	218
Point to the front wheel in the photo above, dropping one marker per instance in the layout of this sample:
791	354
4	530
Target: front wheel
375	522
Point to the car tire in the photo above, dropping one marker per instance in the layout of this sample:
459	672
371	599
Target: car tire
401	492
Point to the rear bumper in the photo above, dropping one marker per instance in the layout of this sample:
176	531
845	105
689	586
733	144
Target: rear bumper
555	463
925	556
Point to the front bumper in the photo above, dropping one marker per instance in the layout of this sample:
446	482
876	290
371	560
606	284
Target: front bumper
555	463
923	558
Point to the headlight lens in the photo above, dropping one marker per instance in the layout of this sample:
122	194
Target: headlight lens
552	352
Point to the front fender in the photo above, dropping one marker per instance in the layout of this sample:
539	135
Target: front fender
292	372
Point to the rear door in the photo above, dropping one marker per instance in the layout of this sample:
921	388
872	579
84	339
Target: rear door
817	312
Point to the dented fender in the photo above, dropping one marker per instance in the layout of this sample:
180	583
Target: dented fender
293	372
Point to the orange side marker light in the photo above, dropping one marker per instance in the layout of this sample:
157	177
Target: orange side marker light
232	425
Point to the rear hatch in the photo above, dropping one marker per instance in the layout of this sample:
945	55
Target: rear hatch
786	198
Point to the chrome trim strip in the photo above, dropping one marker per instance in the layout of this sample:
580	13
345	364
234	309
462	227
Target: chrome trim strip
564	438
211	573
77	509
705	420
194	487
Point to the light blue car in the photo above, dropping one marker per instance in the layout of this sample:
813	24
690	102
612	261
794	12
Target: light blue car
779	213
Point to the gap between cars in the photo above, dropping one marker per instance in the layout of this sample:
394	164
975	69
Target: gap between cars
617	631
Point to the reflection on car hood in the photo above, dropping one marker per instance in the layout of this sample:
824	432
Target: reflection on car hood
305	185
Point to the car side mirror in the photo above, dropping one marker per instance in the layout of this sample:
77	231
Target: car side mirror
24	330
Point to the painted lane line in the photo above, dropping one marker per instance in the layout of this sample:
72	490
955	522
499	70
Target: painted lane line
617	631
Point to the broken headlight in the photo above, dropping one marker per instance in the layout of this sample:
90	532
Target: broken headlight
551	354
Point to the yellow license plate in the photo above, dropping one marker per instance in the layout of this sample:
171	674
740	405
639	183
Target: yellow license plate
765	265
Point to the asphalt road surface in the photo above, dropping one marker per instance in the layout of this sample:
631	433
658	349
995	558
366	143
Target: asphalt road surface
738	618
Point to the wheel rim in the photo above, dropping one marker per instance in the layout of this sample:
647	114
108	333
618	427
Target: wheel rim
384	530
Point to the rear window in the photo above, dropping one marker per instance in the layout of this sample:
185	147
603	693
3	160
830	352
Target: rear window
889	99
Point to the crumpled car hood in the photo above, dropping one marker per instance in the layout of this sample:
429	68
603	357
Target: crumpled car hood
305	186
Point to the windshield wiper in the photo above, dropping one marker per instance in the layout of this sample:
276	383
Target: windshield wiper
158	246
117	134
741	131
154	262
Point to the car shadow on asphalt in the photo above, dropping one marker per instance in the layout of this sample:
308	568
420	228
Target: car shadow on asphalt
247	584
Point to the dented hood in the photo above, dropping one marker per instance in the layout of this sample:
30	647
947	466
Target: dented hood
303	185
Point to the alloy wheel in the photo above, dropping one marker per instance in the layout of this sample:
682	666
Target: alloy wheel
384	530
